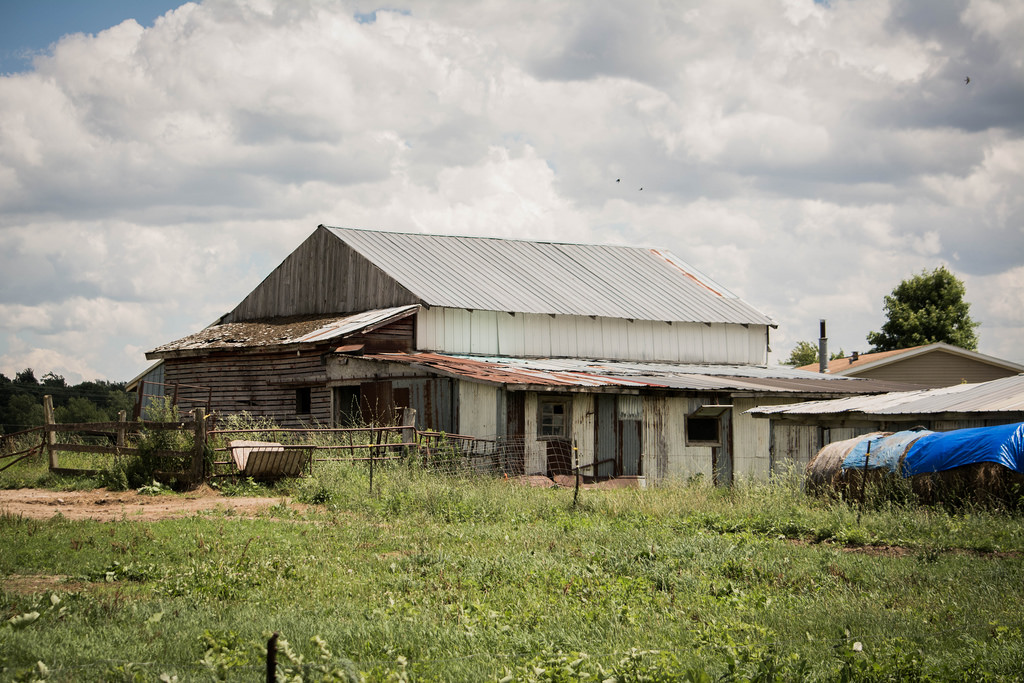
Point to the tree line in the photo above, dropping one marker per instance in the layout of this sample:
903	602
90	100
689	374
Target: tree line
21	400
923	309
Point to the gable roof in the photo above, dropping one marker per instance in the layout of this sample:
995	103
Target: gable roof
549	278
869	361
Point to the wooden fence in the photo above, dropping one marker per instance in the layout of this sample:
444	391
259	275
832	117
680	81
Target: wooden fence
266	457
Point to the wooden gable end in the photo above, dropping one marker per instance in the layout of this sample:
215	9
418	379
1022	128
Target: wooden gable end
322	276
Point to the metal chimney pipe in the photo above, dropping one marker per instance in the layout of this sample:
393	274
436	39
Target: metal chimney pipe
822	349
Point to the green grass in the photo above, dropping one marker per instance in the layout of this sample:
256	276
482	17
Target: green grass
445	578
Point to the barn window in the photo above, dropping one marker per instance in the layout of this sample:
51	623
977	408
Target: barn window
553	418
303	401
704	425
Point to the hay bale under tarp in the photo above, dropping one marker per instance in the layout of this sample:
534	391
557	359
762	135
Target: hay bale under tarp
982	483
825	470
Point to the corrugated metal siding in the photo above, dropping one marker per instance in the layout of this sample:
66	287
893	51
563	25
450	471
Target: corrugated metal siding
542	277
323	275
447	330
535	452
684	462
751	440
582	430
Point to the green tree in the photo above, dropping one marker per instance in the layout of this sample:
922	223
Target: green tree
926	308
806	353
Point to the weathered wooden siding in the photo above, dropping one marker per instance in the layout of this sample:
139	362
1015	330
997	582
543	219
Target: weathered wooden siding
261	384
937	369
478	409
434	398
793	446
323	275
450	330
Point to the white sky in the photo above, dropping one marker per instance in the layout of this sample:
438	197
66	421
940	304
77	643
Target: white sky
808	156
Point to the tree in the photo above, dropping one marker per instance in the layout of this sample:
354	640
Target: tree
924	309
806	353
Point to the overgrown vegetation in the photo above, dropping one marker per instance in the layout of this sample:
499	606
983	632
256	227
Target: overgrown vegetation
21	400
440	577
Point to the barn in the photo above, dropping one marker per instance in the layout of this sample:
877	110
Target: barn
627	360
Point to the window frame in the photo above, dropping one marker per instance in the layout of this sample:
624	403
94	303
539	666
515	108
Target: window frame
566	403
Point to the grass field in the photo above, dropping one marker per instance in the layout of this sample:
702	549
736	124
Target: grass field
436	577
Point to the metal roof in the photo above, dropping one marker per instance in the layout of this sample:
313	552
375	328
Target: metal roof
1000	395
279	331
547	277
869	361
568	373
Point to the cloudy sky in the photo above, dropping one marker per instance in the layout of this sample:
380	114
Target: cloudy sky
157	161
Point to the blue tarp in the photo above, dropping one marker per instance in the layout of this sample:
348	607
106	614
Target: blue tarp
939	451
886	451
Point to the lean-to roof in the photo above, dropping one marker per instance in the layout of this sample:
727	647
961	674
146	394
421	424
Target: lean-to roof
1004	395
575	374
272	332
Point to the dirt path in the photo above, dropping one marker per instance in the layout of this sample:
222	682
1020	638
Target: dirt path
104	505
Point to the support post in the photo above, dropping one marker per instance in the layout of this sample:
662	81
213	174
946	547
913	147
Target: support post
198	447
408	427
140	399
50	435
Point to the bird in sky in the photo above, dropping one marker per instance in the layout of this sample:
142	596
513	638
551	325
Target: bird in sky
618	180
967	80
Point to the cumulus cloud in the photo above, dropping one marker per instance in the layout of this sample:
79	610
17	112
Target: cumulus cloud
809	156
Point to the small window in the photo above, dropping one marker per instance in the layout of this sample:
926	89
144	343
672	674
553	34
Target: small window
303	401
703	431
553	418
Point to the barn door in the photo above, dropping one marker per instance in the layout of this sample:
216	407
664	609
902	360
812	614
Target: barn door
605	441
376	403
618	435
515	432
630	412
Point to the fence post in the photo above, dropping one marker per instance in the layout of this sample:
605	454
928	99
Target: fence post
576	470
199	446
408	427
122	416
50	435
272	658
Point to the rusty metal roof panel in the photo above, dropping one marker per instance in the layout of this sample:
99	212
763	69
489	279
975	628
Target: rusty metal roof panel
547	277
569	372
